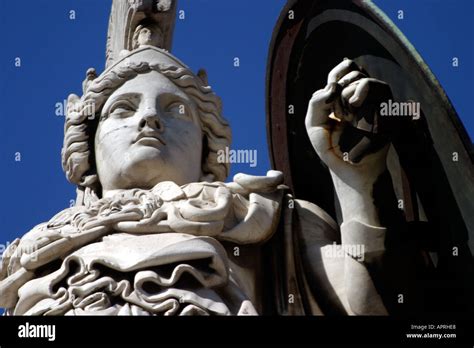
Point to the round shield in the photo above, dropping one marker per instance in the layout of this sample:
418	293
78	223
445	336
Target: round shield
431	158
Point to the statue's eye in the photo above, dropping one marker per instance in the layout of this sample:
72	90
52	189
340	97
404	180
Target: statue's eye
177	109
122	108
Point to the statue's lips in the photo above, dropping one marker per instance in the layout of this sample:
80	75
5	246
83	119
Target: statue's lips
149	139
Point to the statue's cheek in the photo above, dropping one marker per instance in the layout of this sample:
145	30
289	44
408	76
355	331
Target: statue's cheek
185	128
112	129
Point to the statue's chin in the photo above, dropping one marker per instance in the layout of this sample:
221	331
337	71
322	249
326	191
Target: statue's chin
144	168
145	173
144	158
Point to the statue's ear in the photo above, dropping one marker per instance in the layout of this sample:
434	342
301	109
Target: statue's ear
202	74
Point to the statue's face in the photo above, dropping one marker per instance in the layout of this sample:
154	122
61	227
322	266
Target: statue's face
149	132
145	37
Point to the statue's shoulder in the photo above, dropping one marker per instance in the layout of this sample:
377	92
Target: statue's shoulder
61	220
37	237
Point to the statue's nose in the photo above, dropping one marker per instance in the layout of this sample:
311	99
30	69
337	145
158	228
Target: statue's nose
152	119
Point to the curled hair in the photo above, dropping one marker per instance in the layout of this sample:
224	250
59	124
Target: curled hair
82	117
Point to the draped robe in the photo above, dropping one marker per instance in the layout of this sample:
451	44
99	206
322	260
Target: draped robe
240	248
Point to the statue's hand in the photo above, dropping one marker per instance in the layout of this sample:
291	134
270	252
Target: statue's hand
347	90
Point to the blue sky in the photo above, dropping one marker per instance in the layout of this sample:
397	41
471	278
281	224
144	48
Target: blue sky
56	51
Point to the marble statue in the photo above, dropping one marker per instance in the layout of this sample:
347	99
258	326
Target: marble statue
156	230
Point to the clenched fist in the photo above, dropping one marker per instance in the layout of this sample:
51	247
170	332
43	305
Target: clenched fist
347	108
350	100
